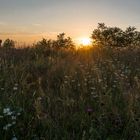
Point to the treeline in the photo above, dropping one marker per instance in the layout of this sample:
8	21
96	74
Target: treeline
102	36
61	41
116	37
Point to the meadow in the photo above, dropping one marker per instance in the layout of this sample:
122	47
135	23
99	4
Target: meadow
70	94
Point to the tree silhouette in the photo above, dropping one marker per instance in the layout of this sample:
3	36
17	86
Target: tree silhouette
60	42
44	43
63	42
115	37
9	43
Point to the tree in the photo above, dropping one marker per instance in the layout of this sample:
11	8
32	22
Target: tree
9	43
60	42
108	36
132	37
115	37
44	43
63	42
44	47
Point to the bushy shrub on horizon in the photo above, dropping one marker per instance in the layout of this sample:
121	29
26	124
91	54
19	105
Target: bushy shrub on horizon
60	42
115	37
8	43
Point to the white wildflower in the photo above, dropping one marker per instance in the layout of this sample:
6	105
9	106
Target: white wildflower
14	138
16	84
13	123
2	89
18	113
13	117
9	125
9	113
6	110
1	116
5	127
15	88
65	82
73	80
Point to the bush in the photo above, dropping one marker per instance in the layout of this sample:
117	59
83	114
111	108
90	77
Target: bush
115	37
9	43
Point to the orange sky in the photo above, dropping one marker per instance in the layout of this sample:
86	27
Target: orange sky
31	20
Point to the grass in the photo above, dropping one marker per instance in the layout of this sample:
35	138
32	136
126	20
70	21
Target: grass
84	94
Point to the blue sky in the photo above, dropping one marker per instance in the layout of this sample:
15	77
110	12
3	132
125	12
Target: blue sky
37	18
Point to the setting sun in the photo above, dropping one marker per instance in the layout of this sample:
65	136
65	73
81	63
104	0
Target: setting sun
85	41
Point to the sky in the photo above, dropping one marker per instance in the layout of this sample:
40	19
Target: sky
30	20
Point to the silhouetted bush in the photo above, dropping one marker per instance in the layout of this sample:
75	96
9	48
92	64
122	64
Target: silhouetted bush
8	43
63	42
115	37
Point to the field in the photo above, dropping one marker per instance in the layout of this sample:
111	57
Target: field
66	94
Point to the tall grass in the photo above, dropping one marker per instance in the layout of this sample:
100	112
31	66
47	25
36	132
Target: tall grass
84	94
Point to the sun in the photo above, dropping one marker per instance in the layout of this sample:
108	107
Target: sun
85	41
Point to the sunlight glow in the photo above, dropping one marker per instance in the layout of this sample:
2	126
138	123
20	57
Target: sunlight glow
85	41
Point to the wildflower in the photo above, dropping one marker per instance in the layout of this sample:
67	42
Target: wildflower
92	88
39	98
16	84
15	88
2	89
14	138
13	123
100	80
89	76
65	82
81	65
9	125
9	113
18	114
79	85
73	81
1	116
66	76
13	117
85	79
94	95
114	86
39	80
89	111
5	127
88	73
6	110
